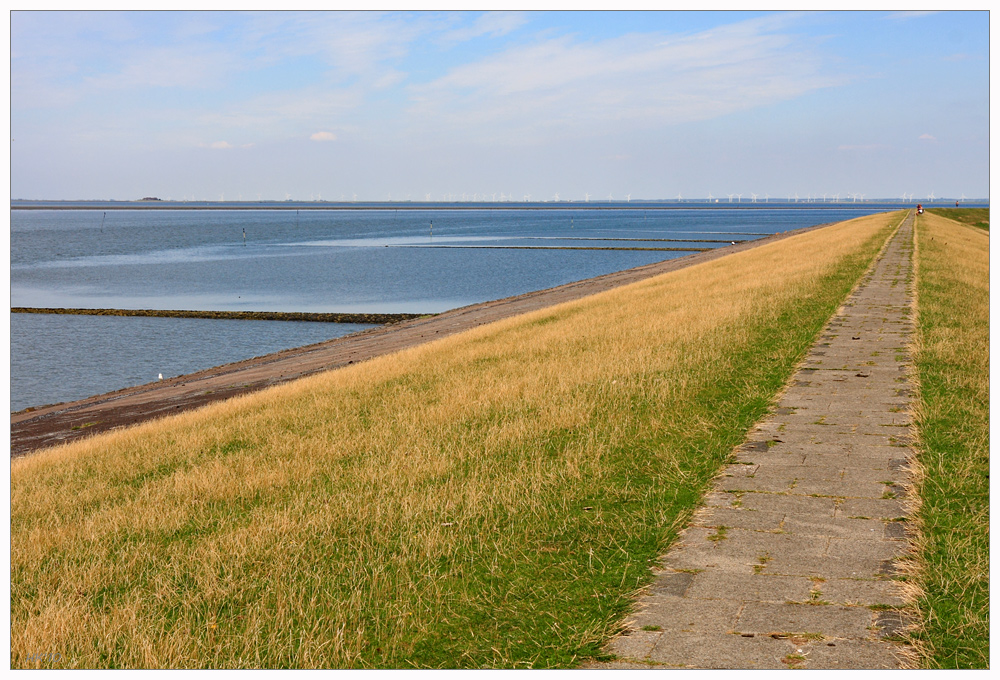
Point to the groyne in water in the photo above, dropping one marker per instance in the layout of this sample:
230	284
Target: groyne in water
375	319
460	247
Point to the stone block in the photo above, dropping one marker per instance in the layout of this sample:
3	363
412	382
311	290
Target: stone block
827	620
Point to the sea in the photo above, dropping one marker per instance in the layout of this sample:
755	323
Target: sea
311	257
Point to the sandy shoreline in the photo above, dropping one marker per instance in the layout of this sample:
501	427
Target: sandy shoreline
50	425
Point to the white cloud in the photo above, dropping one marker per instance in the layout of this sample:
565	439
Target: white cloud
493	24
912	14
561	86
220	145
352	44
278	114
323	137
926	136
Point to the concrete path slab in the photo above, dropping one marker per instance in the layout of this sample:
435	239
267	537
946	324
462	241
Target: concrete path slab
790	564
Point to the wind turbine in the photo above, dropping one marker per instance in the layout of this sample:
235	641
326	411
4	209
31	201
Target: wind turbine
730	197
796	197
754	199
610	198
628	198
586	197
555	197
739	198
679	197
930	196
710	197
766	197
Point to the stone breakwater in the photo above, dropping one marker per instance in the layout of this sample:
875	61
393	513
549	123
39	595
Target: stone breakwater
374	319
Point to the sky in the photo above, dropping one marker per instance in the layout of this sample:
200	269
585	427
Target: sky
441	105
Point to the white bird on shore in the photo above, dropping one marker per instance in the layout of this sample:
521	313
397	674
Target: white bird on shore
161	376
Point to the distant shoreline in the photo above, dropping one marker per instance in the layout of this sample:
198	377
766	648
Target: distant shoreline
417	206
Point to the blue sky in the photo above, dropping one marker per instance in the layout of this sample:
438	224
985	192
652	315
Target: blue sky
203	105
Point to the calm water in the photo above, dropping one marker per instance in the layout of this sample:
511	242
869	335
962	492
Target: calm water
313	261
62	358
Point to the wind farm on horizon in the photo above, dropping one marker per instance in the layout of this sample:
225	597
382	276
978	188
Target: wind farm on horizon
744	198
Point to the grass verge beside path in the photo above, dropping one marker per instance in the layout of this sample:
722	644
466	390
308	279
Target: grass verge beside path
953	424
977	217
493	499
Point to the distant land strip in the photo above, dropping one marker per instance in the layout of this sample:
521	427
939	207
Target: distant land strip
683	250
374	319
180	205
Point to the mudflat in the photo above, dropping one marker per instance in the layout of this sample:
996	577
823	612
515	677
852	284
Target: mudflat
46	426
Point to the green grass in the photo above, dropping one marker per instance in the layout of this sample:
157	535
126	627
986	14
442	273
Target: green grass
491	500
976	217
953	422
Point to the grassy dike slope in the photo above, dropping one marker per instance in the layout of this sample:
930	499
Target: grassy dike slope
953	419
490	499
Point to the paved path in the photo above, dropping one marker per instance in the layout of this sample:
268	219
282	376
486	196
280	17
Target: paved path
59	423
791	562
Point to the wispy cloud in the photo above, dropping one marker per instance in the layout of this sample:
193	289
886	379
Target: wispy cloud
492	24
323	137
561	85
911	14
928	137
171	67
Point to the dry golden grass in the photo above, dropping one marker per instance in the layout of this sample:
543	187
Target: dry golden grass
492	498
953	424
